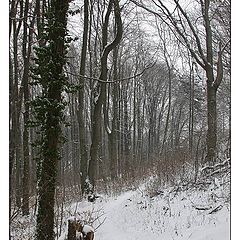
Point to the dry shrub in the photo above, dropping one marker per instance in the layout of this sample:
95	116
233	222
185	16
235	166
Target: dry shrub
176	165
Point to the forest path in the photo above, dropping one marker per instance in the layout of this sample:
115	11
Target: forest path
135	216
119	224
111	229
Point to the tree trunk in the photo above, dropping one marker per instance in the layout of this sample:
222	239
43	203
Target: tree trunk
211	90
26	52
71	230
100	96
17	104
82	127
169	108
11	131
112	136
212	124
191	109
51	126
127	135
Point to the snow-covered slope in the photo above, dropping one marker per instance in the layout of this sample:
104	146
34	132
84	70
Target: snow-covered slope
173	214
136	217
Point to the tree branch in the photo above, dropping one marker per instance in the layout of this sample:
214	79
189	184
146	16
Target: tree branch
193	31
172	20
115	80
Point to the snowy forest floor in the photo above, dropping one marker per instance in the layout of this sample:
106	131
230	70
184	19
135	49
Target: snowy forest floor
173	214
182	212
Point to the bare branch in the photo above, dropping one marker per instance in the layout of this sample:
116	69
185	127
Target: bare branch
225	45
115	80
173	21
193	31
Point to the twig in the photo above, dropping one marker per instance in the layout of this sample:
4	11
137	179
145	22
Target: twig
216	209
203	208
101	223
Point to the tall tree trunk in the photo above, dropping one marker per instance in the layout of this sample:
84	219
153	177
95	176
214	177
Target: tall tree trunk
11	131
127	135
212	123
74	140
169	108
100	96
17	103
82	127
112	137
26	52
51	61
212	86
191	109
112	131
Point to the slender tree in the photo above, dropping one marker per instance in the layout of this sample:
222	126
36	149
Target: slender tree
26	52
17	98
82	128
100	90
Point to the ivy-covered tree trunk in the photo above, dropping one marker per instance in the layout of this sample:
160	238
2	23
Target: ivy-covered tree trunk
48	73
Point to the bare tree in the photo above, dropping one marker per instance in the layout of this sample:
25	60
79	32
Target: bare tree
101	89
82	131
203	53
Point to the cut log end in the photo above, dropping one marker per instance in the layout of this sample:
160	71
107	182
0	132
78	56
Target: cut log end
78	231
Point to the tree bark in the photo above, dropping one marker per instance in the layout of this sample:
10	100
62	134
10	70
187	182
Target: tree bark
211	88
17	105
51	126
82	127
112	133
26	52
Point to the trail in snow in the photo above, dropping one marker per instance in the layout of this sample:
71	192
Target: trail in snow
132	216
112	224
119	223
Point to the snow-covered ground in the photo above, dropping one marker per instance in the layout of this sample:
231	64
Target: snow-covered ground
172	214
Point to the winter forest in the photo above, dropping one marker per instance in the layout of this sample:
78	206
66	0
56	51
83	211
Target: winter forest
119	119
